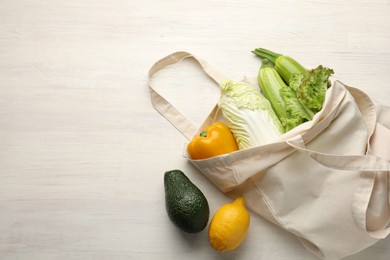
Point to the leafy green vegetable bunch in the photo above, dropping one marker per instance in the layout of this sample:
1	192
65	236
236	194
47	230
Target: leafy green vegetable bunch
289	95
296	94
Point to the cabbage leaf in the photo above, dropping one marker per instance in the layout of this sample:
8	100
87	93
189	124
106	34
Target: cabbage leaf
248	114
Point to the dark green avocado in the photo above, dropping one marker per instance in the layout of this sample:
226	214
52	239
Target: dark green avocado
186	205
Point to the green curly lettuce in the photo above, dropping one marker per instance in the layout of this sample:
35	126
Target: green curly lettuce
311	88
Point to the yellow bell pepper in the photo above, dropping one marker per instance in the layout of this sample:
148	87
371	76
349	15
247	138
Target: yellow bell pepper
215	140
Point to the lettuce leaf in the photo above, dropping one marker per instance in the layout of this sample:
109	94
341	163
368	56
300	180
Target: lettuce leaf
296	113
311	88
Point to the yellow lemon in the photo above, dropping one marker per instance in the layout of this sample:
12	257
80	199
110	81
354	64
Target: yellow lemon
229	226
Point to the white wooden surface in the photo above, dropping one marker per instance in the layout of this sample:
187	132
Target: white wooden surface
82	151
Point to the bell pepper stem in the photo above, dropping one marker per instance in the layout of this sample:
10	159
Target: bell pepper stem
203	134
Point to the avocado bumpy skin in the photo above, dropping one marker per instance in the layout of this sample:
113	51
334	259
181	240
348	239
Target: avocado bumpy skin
186	205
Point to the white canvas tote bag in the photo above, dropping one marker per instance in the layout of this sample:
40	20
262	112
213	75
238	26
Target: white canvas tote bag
326	181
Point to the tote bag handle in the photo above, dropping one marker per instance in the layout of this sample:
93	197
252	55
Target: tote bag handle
369	165
188	129
163	106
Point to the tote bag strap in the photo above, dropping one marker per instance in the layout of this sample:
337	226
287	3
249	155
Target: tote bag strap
163	106
363	163
367	109
378	135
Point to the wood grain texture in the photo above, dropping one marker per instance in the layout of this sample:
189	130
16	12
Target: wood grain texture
82	151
